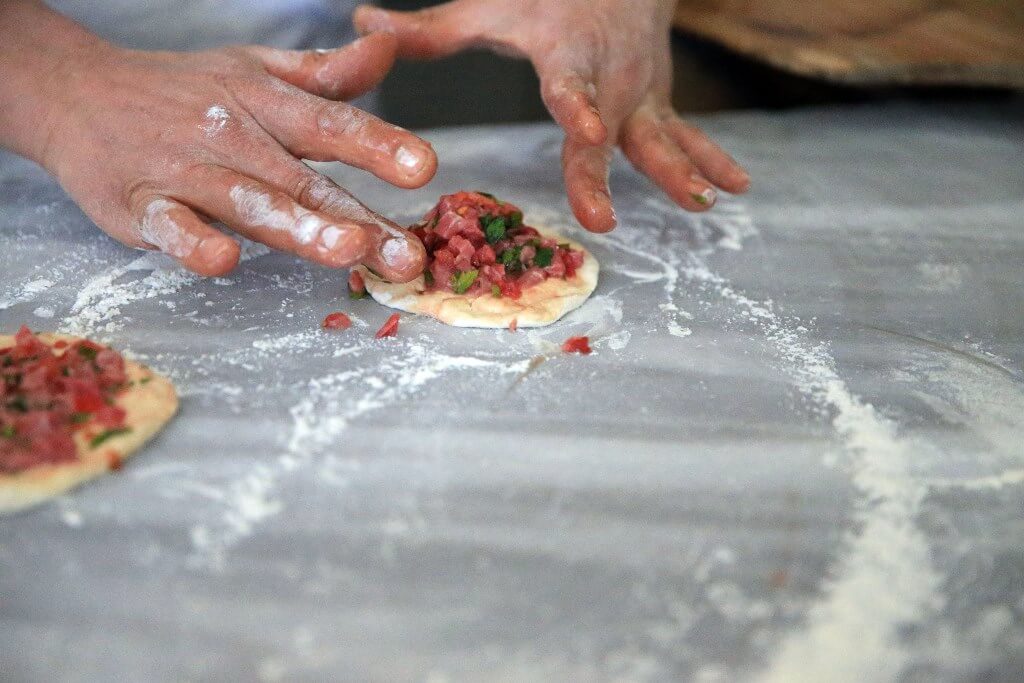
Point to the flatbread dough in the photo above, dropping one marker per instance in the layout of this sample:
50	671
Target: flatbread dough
147	408
539	305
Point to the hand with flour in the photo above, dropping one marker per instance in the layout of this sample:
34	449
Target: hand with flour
155	145
606	77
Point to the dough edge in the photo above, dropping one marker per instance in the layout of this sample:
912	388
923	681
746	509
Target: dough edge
540	305
148	408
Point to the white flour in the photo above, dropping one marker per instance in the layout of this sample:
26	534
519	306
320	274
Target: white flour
319	419
97	308
217	117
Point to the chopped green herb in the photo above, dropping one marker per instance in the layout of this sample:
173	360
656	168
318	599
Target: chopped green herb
428	277
565	245
461	282
66	371
495	230
100	438
510	256
146	380
79	418
8	431
18	403
496	291
543	257
87	352
487	194
13	380
699	198
515	219
352	294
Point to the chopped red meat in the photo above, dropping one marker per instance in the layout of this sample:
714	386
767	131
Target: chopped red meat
356	285
337	321
577	345
389	328
474	231
47	394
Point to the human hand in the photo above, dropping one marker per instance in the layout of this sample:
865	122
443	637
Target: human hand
605	68
154	145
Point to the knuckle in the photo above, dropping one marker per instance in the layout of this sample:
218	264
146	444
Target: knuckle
138	193
302	187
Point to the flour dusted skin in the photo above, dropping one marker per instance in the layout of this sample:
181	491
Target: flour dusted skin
70	410
487	268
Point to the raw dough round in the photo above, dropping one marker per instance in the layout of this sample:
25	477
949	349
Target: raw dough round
148	406
539	305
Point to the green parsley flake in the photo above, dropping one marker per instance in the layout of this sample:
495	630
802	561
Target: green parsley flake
461	282
699	198
496	291
352	294
146	380
516	219
79	418
495	230
102	437
510	256
428	278
87	352
543	257
8	431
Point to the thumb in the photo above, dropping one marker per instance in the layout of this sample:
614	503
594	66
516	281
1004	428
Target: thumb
424	34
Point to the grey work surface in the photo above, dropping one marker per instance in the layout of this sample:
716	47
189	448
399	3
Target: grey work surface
796	453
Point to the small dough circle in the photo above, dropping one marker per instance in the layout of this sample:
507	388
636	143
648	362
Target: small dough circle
539	305
148	407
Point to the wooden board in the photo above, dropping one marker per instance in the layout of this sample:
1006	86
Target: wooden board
924	42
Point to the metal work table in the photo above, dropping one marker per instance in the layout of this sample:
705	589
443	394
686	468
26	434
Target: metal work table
797	452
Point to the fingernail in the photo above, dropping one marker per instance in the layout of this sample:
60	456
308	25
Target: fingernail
411	160
707	197
210	249
397	253
373	19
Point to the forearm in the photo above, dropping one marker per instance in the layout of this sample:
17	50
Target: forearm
40	50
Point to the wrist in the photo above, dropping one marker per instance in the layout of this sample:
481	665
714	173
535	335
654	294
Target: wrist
42	54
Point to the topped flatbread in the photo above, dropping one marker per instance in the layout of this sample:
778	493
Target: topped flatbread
487	268
70	410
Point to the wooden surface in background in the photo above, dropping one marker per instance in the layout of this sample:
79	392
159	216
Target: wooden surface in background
927	42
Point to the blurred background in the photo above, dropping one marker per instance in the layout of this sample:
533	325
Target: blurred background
736	54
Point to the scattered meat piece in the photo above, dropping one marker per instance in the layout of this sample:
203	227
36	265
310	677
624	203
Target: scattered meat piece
389	328
356	285
577	345
337	321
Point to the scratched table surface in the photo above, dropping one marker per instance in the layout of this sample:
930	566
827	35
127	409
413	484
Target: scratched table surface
796	453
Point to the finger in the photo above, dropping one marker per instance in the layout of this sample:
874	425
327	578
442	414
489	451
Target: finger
313	128
585	168
177	231
341	74
571	100
267	215
660	159
716	165
393	252
425	34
